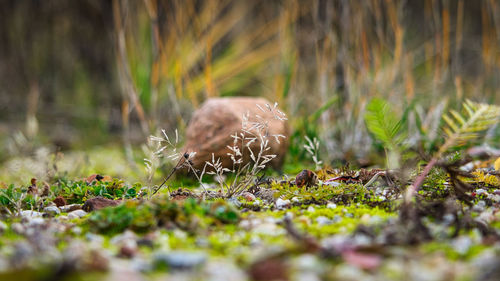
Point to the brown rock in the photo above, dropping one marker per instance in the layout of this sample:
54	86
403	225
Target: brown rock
306	178
60	201
97	203
272	268
217	119
248	196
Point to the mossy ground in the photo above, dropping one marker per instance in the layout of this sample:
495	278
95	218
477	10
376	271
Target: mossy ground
345	229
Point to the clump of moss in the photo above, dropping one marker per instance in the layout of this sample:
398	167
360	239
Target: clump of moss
188	215
345	194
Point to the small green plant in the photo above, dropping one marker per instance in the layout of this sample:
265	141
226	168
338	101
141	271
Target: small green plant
79	191
243	147
386	127
460	129
312	148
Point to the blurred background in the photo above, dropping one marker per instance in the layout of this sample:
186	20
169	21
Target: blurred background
98	77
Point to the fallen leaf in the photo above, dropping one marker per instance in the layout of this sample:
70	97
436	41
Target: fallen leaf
497	164
362	260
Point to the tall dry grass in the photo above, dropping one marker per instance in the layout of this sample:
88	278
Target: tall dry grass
322	60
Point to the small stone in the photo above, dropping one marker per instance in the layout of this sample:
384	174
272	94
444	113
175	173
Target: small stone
448	219
36	221
248	196
70	208
124	237
295	199
76	214
234	201
128	249
60	201
51	210
311	209
17	228
322	220
269	229
99	202
480	191
180	260
94	238
306	178
280	203
76	230
222	270
331	205
3	226
365	218
98	261
337	219
273	268
462	244
30	214
479	207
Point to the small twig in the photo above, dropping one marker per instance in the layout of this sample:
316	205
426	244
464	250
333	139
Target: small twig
190	165
374	178
177	167
310	243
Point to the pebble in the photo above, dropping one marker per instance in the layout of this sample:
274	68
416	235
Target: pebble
62	218
76	214
322	220
3	226
76	230
234	201
30	214
36	221
124	237
462	244
448	219
70	208
479	207
268	229
311	209
480	191
51	210
337	219
248	196
94	238
179	259
17	228
331	205
280	203
223	271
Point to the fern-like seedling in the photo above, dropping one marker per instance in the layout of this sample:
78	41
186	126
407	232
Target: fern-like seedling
385	126
460	129
466	128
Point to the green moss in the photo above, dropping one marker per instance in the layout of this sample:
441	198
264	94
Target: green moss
450	252
188	215
342	194
344	219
